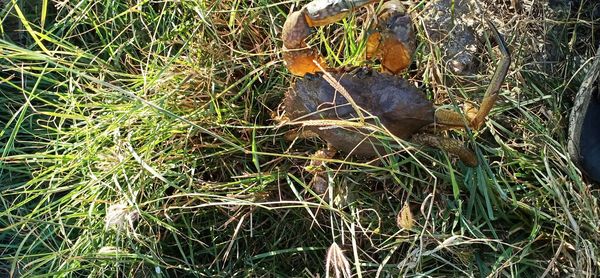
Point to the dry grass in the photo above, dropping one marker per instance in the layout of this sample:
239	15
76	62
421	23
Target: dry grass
160	111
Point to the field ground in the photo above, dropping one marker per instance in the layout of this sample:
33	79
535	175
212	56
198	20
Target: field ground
137	140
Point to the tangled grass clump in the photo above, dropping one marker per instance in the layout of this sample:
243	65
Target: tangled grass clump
161	112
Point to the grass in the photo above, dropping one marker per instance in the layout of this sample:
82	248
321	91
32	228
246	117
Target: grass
137	140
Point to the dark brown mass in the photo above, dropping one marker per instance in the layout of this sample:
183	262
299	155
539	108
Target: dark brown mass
399	106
